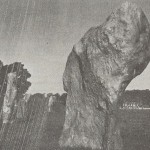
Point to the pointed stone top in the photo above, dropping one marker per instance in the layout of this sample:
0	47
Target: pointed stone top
127	5
128	11
127	23
130	8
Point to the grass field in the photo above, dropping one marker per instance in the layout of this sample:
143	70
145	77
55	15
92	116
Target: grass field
135	130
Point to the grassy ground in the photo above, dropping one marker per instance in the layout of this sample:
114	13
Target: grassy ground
135	130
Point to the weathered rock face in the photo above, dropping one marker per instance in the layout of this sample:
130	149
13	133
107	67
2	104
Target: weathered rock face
9	99
98	70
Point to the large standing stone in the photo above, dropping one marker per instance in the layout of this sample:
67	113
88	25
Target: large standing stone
98	70
9	99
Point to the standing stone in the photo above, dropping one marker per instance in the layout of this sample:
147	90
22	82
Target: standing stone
51	101
98	70
9	99
21	109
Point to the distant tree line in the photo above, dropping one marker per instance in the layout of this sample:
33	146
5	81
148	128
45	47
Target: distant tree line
141	97
61	98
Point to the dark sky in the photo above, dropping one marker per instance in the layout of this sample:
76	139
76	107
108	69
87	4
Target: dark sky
41	33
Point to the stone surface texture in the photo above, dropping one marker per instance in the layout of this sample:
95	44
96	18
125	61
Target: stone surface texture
9	99
98	70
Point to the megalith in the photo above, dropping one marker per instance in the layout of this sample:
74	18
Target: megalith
9	99
98	69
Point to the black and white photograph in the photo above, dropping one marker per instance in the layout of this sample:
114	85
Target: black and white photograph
74	74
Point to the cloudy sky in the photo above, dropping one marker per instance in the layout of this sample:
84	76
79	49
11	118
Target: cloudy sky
41	33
